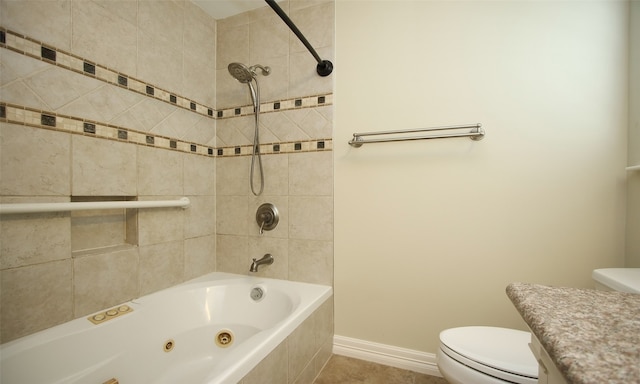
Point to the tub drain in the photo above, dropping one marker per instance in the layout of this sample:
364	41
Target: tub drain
224	338
168	345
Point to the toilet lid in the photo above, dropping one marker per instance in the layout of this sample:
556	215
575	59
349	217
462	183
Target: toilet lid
500	348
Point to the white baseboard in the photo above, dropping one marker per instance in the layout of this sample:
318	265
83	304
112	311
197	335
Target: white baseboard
390	355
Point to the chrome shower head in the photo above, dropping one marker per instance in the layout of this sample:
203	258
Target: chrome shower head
245	74
240	72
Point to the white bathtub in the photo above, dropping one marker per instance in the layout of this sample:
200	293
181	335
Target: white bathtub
131	348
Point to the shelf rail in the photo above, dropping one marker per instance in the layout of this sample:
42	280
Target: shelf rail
476	133
7	209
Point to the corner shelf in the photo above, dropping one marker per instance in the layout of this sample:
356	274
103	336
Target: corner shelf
633	168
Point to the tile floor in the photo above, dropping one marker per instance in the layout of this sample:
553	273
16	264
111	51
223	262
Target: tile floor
346	370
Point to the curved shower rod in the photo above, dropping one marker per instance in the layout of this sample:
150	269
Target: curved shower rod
324	67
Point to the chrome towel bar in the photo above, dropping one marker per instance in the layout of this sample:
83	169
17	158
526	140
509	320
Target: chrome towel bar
92	205
476	133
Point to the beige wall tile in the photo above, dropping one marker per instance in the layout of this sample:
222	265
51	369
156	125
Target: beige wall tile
103	280
233	131
282	127
26	306
17	66
271	370
268	38
68	86
301	343
323	323
148	113
202	132
103	36
232	215
159	225
200	217
232	45
160	172
48	21
200	78
311	174
28	239
103	168
105	104
199	34
124	9
232	175
318	21
176	124
19	93
199	256
316	123
276	175
311	218
311	261
199	175
158	63
232	254
161	266
153	17
34	161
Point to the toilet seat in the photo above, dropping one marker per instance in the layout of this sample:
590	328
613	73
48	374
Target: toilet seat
498	352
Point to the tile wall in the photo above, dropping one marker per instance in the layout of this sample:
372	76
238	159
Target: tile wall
83	116
102	99
299	183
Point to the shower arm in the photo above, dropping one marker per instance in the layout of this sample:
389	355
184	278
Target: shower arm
325	67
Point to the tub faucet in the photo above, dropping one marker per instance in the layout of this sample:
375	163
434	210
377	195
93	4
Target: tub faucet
266	259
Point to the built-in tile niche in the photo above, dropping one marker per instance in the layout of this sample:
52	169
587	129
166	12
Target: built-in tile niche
103	230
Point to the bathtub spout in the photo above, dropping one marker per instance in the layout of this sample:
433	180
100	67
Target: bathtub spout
266	259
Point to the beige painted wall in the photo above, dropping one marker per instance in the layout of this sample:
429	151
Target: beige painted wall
633	179
429	233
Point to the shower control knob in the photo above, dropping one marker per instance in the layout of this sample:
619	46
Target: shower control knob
267	217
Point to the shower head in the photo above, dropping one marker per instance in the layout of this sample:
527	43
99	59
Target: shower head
241	72
245	74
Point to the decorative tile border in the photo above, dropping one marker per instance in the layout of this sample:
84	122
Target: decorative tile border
47	120
21	115
55	56
277	106
318	145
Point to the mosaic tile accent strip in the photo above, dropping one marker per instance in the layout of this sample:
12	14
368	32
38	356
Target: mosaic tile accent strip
55	56
279	148
278	106
21	115
48	120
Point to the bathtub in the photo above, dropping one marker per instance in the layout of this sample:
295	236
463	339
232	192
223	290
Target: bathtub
213	329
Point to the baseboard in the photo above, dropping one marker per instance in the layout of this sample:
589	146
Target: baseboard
390	355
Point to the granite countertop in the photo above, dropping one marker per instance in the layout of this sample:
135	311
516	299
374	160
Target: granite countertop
592	336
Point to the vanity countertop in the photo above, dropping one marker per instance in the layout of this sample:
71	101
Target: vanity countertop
591	336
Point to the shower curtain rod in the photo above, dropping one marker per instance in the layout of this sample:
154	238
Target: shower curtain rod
325	67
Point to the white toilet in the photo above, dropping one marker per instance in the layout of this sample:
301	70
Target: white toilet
486	355
490	355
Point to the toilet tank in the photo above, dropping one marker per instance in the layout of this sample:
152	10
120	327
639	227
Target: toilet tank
617	279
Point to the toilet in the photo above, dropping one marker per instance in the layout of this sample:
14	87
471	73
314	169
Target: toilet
486	355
